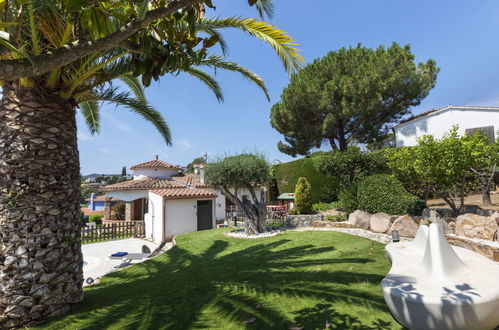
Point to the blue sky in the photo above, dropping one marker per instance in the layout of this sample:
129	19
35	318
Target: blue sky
461	35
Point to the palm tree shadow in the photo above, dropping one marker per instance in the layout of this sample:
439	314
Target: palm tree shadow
173	290
324	316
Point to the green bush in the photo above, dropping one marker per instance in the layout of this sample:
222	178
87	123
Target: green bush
303	196
326	188
384	193
317	207
350	166
97	218
348	198
337	217
293	211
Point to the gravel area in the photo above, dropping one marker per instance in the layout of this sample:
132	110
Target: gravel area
382	238
242	234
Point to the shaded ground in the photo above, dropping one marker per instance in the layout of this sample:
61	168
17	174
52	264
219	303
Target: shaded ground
212	281
475	199
96	255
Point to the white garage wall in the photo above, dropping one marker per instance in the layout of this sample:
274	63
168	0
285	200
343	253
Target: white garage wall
441	122
219	206
181	216
155	216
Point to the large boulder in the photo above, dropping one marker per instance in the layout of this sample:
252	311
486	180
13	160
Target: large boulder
380	222
476	226
405	225
360	219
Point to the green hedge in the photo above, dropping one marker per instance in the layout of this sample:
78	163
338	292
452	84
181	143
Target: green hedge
384	193
324	188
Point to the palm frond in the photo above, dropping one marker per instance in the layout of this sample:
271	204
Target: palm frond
135	86
221	40
137	106
280	41
265	8
90	111
216	61
208	80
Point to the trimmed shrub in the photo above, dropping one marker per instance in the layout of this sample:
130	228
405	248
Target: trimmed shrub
97	218
303	196
384	193
348	198
350	166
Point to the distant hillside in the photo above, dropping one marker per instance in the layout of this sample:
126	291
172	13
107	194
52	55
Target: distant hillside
324	188
94	175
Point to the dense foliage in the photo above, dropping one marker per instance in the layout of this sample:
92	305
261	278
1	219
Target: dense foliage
384	193
195	161
318	207
348	198
303	196
351	165
444	166
350	96
75	49
97	218
286	176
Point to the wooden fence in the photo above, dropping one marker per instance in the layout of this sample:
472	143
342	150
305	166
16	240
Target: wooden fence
111	231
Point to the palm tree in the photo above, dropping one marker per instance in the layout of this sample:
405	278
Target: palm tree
55	57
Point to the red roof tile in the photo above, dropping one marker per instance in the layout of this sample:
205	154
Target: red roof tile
184	193
155	164
145	184
190	179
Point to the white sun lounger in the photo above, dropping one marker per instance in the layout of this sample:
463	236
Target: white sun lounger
129	257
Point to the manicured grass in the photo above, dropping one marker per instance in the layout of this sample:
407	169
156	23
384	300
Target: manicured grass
212	281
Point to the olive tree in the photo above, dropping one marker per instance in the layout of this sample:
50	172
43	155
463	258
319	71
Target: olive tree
245	171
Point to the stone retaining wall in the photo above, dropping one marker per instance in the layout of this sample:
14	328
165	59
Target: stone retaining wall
486	250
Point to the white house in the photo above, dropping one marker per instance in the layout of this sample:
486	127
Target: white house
437	122
170	201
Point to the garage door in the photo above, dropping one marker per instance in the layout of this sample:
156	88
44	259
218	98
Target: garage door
205	218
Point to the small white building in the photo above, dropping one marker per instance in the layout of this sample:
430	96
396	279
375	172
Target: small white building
169	201
437	122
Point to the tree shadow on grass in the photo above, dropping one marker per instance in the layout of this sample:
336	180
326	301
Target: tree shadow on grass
324	316
176	289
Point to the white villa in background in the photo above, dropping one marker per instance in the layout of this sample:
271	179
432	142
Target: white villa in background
437	122
170	201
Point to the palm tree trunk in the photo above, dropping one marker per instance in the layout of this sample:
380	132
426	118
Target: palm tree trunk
40	247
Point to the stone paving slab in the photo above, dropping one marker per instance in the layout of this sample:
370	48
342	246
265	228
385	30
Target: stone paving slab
95	256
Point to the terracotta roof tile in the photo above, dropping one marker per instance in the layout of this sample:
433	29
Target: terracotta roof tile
190	179
155	164
184	193
145	184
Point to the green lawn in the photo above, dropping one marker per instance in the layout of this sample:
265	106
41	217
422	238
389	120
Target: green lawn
212	281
